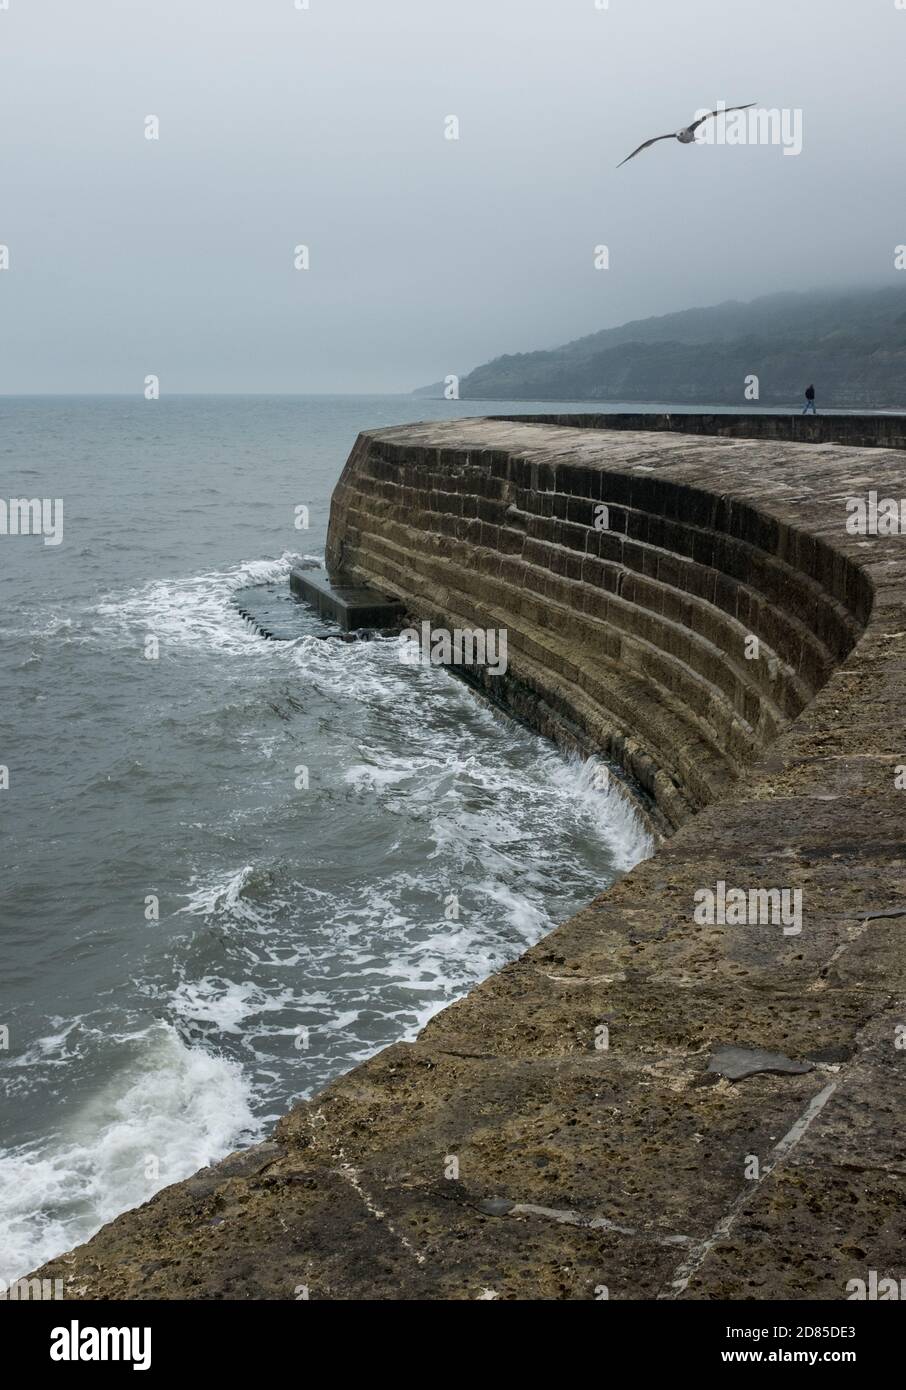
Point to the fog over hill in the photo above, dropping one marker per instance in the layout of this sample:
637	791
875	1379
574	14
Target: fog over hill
850	343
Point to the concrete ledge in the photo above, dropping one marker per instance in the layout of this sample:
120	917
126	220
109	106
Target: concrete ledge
352	606
506	1153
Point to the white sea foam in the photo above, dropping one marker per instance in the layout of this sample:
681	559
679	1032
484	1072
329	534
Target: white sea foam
189	608
192	609
228	1005
181	1106
224	897
365	777
609	808
371	959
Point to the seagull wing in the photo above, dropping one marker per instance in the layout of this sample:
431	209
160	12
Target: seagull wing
671	136
722	112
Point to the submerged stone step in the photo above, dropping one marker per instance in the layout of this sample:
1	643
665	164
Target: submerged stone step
350	605
276	614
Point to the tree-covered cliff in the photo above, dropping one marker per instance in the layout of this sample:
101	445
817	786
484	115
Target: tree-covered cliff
851	344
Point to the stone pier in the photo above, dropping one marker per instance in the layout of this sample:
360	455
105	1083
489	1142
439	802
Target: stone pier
669	1097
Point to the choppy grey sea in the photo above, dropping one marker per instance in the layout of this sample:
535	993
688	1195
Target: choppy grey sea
296	931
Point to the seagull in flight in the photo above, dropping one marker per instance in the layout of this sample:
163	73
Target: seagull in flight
686	136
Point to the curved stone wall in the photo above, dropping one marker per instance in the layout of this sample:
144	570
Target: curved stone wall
664	1098
630	590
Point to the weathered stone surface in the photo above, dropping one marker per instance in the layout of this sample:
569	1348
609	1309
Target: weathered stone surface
631	1166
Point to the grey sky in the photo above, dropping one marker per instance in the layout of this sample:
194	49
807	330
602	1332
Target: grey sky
428	256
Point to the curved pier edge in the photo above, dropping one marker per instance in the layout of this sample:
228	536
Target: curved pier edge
571	1125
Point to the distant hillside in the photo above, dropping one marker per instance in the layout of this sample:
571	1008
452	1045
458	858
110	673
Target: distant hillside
851	344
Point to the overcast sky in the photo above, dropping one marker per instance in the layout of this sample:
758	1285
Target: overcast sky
281	127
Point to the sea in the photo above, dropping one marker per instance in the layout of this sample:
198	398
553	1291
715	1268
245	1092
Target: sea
232	868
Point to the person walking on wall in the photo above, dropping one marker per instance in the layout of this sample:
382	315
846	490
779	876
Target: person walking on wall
810	401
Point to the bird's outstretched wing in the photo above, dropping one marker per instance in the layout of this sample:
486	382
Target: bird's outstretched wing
724	109
671	136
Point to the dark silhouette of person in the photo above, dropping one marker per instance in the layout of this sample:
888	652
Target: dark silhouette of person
810	401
